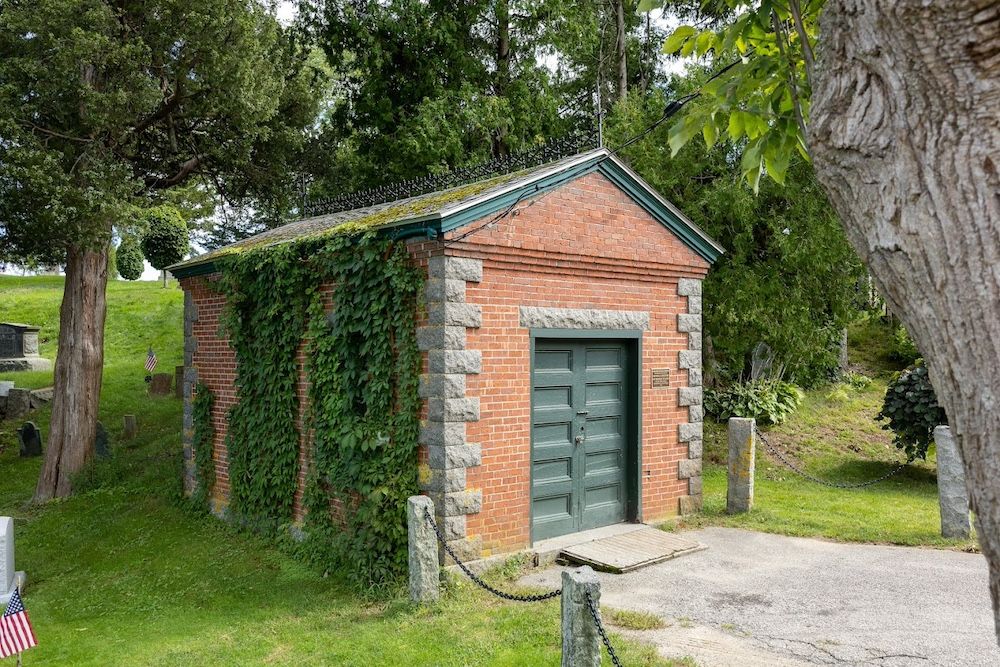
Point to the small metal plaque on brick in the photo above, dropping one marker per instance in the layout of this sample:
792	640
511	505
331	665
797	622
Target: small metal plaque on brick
661	377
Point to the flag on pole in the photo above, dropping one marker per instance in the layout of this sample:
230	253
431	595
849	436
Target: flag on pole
150	360
16	634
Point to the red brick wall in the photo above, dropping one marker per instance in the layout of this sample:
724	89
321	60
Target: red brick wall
585	245
216	364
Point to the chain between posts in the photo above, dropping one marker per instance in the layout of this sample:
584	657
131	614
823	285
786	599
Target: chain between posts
812	478
600	630
482	584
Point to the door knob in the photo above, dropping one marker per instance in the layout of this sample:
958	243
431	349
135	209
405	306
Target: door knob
579	439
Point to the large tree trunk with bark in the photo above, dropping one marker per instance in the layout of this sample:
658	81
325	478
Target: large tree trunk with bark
906	139
79	365
621	61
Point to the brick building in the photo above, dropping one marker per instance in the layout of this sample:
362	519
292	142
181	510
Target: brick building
562	343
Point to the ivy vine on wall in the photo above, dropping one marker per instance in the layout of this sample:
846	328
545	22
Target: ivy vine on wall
267	291
204	434
363	372
362	420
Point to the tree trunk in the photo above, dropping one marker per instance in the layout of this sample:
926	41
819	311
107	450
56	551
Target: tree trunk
79	365
620	49
502	81
647	58
906	140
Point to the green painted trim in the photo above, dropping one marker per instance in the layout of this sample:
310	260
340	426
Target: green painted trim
632	338
681	228
195	270
531	439
623	334
634	506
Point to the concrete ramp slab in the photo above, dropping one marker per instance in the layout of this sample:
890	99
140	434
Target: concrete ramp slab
630	551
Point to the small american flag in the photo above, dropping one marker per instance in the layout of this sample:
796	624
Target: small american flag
150	361
16	634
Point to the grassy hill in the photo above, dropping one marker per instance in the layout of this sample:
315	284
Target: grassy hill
834	436
122	574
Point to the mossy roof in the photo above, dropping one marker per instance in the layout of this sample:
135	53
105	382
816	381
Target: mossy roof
380	216
441	211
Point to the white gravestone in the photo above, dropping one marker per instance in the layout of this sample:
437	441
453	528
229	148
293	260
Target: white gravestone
9	577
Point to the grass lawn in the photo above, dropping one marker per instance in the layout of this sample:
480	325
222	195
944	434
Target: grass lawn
834	436
122	574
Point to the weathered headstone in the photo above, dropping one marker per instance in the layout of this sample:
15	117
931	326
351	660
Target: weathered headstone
952	494
5	387
101	442
6	553
742	455
19	348
581	645
10	578
425	576
40	397
845	360
131	427
30	440
160	384
18	403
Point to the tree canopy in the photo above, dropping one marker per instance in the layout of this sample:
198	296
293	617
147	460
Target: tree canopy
107	105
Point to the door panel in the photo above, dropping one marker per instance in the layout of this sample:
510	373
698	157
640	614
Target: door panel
580	438
553	498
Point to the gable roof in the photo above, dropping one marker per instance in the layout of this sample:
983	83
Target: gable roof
430	215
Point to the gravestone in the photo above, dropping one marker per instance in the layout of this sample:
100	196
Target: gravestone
30	440
18	403
179	381
131	427
10	578
160	384
19	348
101	442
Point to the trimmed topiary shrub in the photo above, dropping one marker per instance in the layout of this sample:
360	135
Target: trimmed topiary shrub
767	401
912	411
129	258
165	240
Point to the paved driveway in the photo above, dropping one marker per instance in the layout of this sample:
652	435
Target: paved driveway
758	599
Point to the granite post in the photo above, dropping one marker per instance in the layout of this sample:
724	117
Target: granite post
581	645
952	494
423	553
10	578
742	446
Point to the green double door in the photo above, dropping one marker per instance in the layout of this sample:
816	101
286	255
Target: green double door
581	431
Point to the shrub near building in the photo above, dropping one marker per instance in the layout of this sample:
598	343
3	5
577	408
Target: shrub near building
912	411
